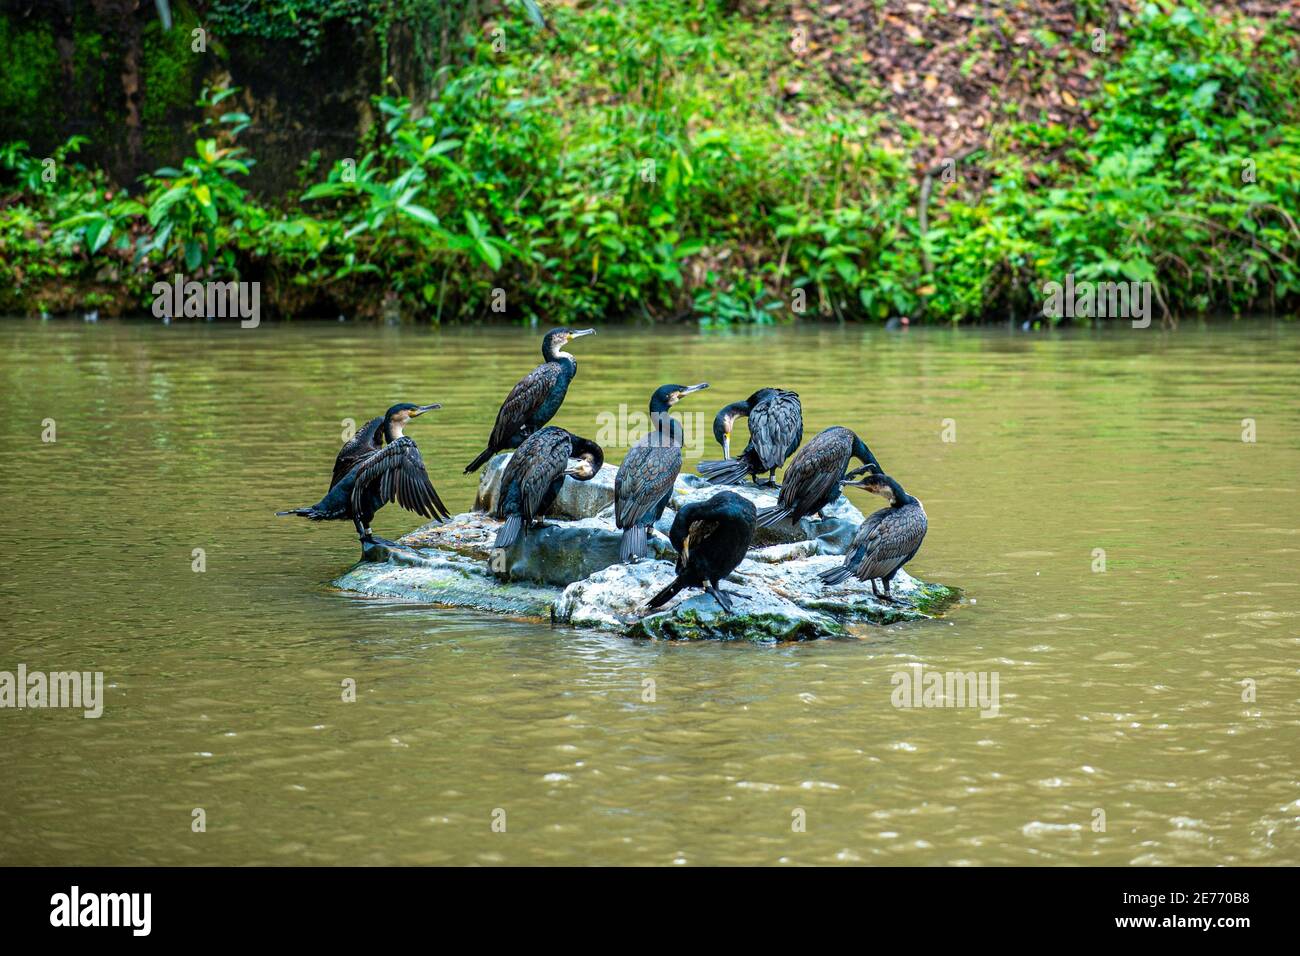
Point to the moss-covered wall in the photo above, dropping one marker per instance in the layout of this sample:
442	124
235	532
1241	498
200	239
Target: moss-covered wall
307	70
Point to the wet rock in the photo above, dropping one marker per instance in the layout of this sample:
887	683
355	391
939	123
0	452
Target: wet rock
568	571
615	599
556	552
577	499
448	579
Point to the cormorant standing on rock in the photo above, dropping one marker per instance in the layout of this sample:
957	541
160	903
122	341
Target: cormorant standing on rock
644	482
535	398
775	431
378	465
535	473
886	540
813	479
711	538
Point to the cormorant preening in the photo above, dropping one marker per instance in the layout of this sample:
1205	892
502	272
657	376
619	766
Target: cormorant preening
813	479
644	482
775	431
711	538
378	465
535	473
535	398
886	540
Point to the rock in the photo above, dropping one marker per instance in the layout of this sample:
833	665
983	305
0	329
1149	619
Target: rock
577	499
556	553
449	579
615	599
567	571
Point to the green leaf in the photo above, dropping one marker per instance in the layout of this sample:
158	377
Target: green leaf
98	234
421	214
489	254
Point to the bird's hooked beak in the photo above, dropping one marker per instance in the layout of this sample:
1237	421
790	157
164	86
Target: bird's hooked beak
424	408
579	333
676	397
578	468
871	484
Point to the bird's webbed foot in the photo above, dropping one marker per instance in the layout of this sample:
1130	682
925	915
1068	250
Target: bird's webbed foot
723	601
375	548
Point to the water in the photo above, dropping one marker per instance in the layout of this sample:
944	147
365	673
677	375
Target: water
1120	691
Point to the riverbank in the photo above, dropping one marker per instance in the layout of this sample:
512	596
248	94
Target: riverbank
699	162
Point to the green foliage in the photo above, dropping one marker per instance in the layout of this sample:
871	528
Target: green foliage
640	161
187	206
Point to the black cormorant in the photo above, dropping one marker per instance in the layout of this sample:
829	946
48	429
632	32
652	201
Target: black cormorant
775	431
378	465
535	398
644	482
535	473
812	481
711	538
886	540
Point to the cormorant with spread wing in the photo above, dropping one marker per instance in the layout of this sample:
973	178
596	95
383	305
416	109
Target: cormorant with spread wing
813	479
644	482
711	538
886	540
775	431
378	465
535	398
535	473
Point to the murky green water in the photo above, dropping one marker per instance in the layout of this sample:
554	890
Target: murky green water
1120	691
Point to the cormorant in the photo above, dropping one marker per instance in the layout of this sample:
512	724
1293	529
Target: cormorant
711	538
378	465
886	540
644	482
535	398
535	473
813	479
775	431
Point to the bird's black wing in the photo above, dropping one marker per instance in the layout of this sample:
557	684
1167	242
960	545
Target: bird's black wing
775	426
887	539
813	473
646	475
546	463
682	526
700	529
528	395
397	472
363	444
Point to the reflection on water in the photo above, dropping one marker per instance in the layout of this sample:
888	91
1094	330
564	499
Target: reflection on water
1121	691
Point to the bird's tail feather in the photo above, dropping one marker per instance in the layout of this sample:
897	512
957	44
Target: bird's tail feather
770	516
835	575
666	595
634	543
302	513
478	462
509	532
729	472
